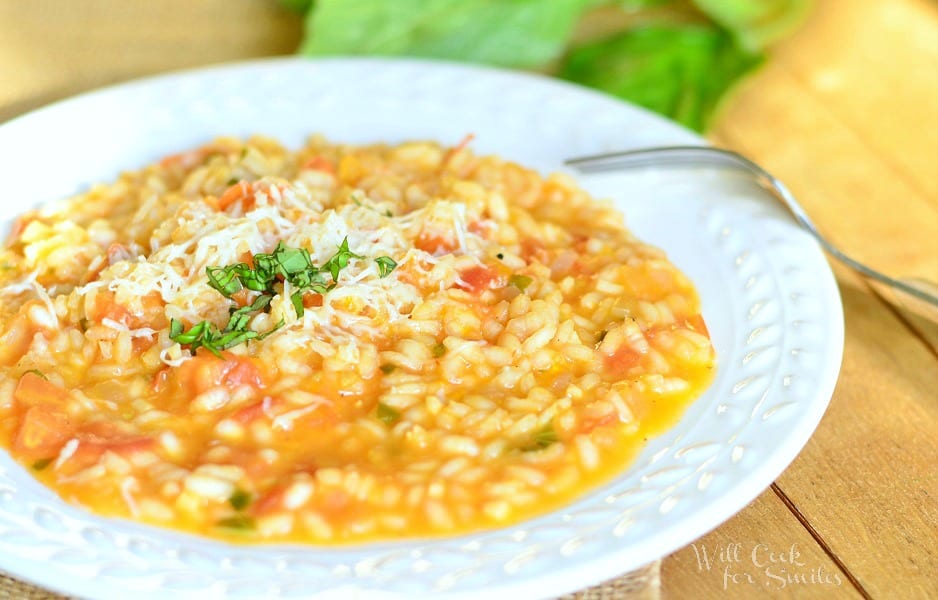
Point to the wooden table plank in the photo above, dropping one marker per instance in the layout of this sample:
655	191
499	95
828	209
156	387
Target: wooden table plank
867	480
737	561
855	197
91	43
874	64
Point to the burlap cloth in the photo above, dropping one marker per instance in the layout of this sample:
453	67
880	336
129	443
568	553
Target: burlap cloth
642	584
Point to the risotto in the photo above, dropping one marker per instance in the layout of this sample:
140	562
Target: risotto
337	344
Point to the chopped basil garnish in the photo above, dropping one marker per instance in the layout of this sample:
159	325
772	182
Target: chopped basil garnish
386	414
42	463
438	350
240	499
284	264
237	522
542	439
386	264
37	373
520	281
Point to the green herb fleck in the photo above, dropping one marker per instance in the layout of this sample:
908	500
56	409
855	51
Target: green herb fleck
297	299
438	350
240	499
42	463
38	373
232	181
237	522
387	368
339	260
386	414
542	439
520	281
500	256
386	264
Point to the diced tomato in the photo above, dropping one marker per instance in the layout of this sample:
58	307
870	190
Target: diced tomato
106	307
143	343
270	502
206	371
534	250
319	163
434	244
696	322
312	300
236	193
589	424
242	297
480	228
33	390
623	359
479	278
187	159
251	412
324	415
43	431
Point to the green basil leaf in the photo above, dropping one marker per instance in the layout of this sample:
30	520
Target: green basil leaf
386	414
678	70
386	265
513	33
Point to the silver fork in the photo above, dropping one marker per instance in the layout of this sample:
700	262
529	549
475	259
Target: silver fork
918	295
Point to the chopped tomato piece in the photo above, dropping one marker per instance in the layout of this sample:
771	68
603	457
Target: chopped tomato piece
434	244
697	323
589	424
33	390
90	449
206	371
623	359
151	315
236	193
270	502
251	412
312	300
242	297
534	250
480	278
43	431
187	159
319	163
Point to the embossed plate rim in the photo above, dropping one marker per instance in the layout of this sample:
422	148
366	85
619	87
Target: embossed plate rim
768	398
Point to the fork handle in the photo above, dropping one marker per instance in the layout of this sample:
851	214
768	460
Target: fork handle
921	291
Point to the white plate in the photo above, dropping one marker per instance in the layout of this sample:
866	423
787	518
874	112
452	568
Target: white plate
768	296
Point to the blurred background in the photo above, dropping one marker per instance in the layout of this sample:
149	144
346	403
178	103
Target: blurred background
839	98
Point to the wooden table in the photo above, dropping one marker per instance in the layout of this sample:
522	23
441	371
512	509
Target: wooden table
846	113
